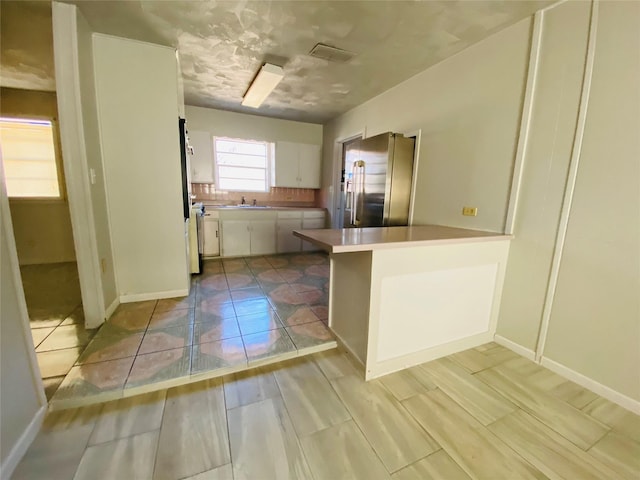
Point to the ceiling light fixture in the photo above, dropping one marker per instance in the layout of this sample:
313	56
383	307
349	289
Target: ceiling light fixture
263	84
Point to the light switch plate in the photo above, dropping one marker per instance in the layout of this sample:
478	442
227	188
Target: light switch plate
470	211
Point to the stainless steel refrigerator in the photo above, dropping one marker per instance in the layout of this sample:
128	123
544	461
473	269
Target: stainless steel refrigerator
377	181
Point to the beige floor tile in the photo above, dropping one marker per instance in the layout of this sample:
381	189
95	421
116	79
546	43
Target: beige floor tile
75	318
57	449
549	452
264	443
57	362
572	393
309	335
193	437
39	334
620	453
126	458
407	382
342	453
475	396
335	364
623	421
478	451
224	472
302	385
475	361
129	416
437	466
66	337
570	422
250	386
392	432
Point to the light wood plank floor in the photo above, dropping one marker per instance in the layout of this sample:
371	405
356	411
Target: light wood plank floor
481	414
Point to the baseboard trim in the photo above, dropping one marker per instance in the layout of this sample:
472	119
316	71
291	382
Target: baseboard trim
596	387
514	347
111	308
23	444
141	297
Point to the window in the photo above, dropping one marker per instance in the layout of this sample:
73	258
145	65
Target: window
242	165
29	158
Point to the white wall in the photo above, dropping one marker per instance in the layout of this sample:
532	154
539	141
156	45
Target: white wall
595	320
468	108
21	396
94	159
137	92
253	127
551	135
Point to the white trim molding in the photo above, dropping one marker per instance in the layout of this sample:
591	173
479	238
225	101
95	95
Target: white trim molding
525	123
111	308
515	347
76	169
589	383
570	185
141	297
22	445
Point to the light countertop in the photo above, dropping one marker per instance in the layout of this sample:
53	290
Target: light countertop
367	239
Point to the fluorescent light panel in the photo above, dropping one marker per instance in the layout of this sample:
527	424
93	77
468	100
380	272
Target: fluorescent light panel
268	77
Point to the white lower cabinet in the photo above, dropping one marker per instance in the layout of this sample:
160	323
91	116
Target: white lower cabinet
211	237
248	237
287	242
236	238
263	237
254	232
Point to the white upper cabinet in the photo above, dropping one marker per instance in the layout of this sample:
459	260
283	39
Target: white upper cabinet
202	158
297	165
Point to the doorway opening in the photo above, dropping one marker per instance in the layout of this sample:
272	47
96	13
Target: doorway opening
34	180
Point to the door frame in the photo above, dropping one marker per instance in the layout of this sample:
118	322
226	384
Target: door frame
336	194
76	168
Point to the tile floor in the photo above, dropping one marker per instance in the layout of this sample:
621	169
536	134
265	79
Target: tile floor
52	294
485	413
241	313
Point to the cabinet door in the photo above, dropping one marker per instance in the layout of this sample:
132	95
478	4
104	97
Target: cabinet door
236	238
211	237
309	224
286	165
202	158
263	237
309	166
287	242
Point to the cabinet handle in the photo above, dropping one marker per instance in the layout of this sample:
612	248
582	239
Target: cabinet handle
216	233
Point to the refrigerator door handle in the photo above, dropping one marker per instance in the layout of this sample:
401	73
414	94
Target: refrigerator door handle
358	191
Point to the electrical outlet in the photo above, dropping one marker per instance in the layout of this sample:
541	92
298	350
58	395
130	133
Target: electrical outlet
469	211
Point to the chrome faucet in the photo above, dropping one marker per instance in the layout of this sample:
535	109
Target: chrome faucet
255	202
243	202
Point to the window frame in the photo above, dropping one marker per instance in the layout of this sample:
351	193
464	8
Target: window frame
57	150
269	146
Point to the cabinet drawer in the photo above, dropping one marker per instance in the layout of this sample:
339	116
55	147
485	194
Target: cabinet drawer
313	214
289	214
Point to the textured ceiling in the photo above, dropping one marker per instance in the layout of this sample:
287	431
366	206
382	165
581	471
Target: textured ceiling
222	45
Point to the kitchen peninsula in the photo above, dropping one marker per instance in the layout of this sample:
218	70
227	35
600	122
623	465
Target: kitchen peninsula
401	296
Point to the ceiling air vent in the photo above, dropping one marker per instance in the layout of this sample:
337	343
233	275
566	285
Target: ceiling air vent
331	54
